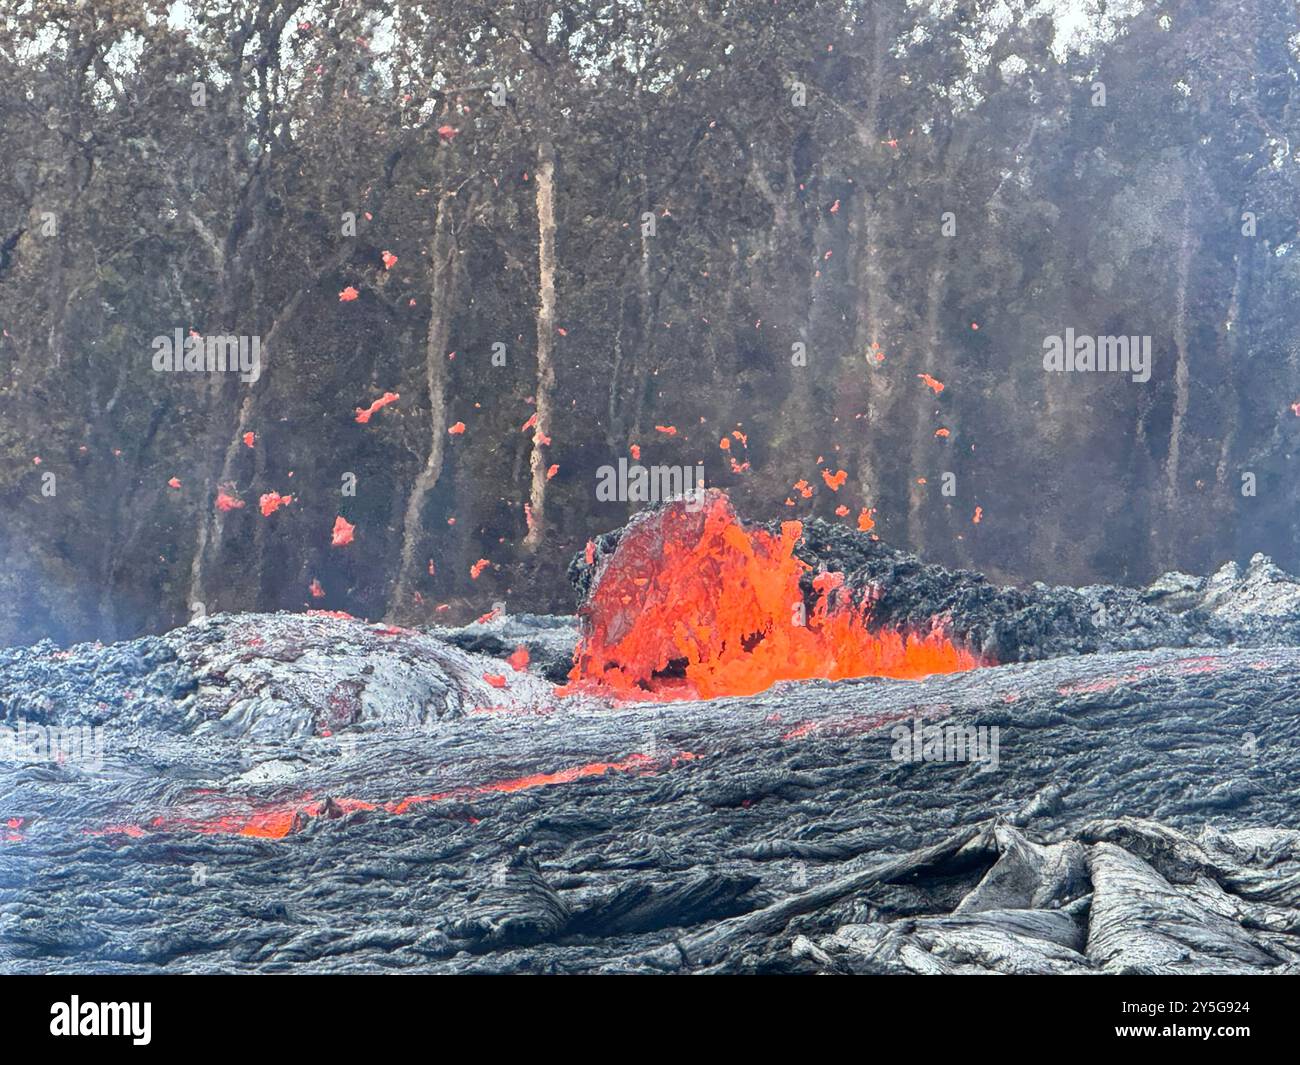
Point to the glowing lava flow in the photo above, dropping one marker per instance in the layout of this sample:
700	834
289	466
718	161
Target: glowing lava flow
693	605
278	820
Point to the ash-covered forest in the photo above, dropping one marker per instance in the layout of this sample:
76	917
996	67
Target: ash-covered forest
485	250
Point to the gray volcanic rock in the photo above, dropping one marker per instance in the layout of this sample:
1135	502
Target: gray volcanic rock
280	676
272	793
549	639
1122	916
774	833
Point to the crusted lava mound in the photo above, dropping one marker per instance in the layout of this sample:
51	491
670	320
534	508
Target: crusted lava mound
895	592
693	604
314	793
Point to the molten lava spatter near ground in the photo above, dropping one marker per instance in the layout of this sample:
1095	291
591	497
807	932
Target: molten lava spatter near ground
645	788
694	605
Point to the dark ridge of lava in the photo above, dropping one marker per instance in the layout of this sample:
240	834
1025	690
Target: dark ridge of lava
284	793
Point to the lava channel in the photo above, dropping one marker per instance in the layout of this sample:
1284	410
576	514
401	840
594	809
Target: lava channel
278	820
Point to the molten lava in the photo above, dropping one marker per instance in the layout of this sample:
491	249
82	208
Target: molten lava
278	820
693	605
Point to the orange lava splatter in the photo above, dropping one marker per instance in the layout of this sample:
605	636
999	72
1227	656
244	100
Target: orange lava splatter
866	519
495	679
667	430
250	439
942	432
834	481
931	383
341	535
694	605
364	414
390	260
348	295
457	429
478	567
635	449
175	482
226	502
273	501
979	515
552	470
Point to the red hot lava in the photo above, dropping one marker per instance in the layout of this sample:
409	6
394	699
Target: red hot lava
693	605
278	820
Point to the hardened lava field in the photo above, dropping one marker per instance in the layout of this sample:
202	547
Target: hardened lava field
310	792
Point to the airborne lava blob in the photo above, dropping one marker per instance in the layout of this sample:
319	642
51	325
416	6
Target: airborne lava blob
693	605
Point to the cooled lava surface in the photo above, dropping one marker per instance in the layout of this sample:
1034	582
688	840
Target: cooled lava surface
667	784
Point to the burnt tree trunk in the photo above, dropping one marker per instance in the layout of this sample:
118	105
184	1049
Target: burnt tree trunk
545	341
442	300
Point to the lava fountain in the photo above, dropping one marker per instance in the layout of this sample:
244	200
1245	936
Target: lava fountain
692	604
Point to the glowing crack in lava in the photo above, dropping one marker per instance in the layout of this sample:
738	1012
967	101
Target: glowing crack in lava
693	605
280	819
